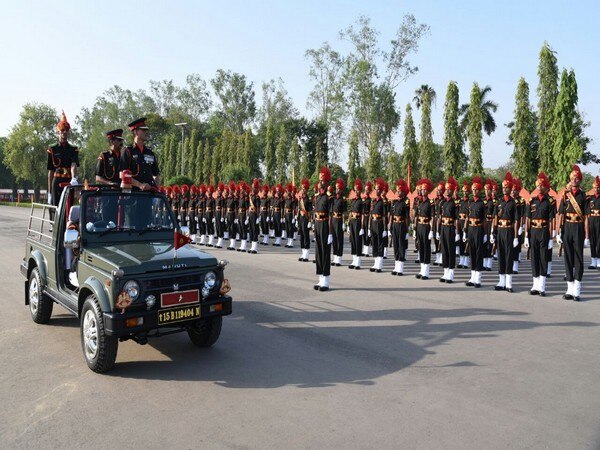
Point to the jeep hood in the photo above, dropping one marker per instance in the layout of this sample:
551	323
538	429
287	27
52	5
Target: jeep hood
142	257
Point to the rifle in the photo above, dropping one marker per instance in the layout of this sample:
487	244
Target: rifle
562	222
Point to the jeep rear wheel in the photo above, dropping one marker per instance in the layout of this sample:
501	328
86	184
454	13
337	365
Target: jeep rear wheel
40	305
99	349
205	332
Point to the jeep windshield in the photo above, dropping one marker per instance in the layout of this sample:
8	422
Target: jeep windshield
118	213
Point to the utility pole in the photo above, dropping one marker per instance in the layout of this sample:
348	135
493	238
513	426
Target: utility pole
181	125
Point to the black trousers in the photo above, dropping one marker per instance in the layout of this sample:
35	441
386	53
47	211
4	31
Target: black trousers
573	237
476	248
424	243
595	236
338	236
448	246
399	241
209	227
462	245
356	241
242	226
264	225
506	254
231	227
365	237
323	249
538	245
277	225
377	229
304	232
517	250
219	226
487	247
289	226
253	227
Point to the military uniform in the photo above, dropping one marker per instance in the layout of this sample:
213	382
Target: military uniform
305	207
219	215
265	208
423	225
476	235
243	222
377	229
366	202
399	218
253	217
593	211
338	209
230	216
60	159
355	227
107	166
289	206
277	205
448	217
322	233
506	219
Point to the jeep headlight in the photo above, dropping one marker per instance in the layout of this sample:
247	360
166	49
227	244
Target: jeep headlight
132	288
210	279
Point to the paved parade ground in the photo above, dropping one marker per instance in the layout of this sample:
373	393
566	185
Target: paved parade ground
377	362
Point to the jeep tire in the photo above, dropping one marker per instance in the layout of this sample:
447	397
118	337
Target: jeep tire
99	349
205	332
40	305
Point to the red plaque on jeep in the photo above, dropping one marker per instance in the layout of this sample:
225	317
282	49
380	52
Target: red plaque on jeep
179	298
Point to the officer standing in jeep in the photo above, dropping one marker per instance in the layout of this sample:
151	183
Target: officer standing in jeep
139	159
63	159
108	163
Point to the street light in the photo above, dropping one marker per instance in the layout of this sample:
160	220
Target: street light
181	125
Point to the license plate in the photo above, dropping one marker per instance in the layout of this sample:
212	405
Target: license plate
179	298
181	314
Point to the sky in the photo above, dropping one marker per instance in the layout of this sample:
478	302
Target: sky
67	53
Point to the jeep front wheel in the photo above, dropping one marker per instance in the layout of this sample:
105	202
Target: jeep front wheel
40	305
99	349
205	332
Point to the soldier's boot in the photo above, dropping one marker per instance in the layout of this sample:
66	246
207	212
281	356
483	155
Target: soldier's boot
193	238
509	287
401	268
265	240
471	281
211	240
535	288
284	234
450	276
290	243
425	272
516	267
569	294
542	286
420	274
357	266
306	255
501	283
254	248
385	252
576	290
478	279
231	244
325	285
226	234
374	268
380	264
549	272
395	271
317	286
353	264
219	243
597	264
271	233
242	246
438	259
277	242
369	249
593	264
364	250
202	239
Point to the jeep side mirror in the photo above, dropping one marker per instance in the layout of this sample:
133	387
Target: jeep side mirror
72	239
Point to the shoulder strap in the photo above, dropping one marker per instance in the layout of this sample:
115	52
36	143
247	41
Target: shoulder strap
575	205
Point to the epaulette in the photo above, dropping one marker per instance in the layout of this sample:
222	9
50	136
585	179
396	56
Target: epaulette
552	199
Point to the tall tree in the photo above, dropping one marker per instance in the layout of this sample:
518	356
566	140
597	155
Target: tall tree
410	148
270	153
27	143
475	131
305	163
567	150
320	158
353	157
194	99
236	100
486	108
294	159
207	158
426	145
523	137
547	91
327	96
374	160
420	93
454	155
281	154
393	167
198	162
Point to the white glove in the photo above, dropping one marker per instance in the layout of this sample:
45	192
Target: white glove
257	221
465	239
49	198
586	243
520	230
74	181
330	239
406	237
246	222
179	218
550	244
369	233
492	239
484	238
268	219
343	227
361	232
515	242
437	236
559	240
282	220
384	234
526	243
235	221
553	234
293	220
187	218
309	226
457	238
204	219
430	236
222	219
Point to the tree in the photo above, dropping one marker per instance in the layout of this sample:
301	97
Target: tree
547	91
236	100
353	156
305	163
281	155
393	167
474	131
320	158
327	95
294	160
454	156
567	150
6	175
420	93
485	107
198	162
207	158
374	160
276	104
194	100
270	153
426	146
410	149
523	136
25	150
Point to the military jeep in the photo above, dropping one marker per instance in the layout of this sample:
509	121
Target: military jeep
107	255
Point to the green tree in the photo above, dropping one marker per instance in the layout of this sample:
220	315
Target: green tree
207	158
374	160
547	92
420	93
281	154
25	150
217	162
410	149
393	167
426	146
198	163
523	136
235	95
486	108
353	157
270	153
567	150
305	163
474	131
320	159
6	175
454	156
294	160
